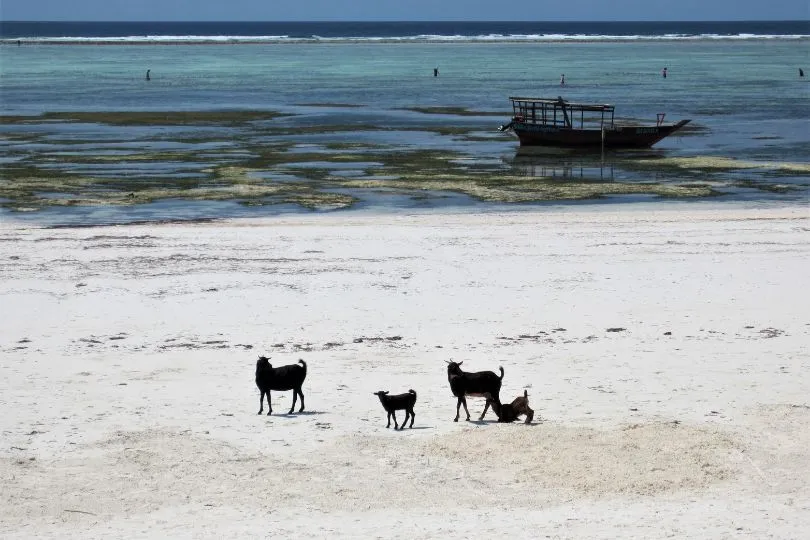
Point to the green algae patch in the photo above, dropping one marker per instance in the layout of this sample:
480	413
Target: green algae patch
456	111
507	189
263	163
417	160
356	146
318	200
233	174
31	188
143	157
720	163
27	187
496	136
348	129
327	104
770	188
433	170
32	194
147	118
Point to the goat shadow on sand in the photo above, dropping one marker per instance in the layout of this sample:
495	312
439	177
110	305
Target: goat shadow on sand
535	422
293	415
480	422
515	423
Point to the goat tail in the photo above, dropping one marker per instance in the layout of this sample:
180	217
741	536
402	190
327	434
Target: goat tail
501	368
526	393
412	391
301	361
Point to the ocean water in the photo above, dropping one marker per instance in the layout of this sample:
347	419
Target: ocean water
738	82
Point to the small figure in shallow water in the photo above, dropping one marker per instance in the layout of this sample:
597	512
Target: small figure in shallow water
148	78
664	73
435	72
801	72
562	79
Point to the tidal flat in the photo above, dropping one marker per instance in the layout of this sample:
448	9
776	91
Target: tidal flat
269	158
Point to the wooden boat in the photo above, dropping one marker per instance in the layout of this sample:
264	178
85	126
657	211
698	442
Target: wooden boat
556	122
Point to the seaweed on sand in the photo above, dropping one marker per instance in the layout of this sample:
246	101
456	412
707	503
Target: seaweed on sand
141	118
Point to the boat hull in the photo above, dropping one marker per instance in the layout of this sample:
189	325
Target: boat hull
617	137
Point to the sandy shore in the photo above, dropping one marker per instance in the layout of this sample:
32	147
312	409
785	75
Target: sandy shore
665	351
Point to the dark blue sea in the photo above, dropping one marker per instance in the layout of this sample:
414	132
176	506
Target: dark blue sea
406	31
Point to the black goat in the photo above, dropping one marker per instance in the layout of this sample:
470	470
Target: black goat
509	412
397	403
289	377
477	384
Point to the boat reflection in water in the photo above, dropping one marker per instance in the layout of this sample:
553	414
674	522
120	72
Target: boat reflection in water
577	165
562	167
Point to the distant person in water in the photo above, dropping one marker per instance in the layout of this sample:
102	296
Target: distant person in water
664	73
148	78
435	72
801	72
562	79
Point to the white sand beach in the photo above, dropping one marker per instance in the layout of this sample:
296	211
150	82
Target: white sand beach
665	349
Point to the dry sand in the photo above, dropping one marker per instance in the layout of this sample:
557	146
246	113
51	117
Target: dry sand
665	350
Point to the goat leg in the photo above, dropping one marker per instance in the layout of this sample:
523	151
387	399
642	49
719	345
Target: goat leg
486	408
261	401
300	393
394	414
292	407
529	415
458	406
413	415
389	420
466	410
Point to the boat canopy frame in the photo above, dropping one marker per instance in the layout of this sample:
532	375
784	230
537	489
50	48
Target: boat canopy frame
561	113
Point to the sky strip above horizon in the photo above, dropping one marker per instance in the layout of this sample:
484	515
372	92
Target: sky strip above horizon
396	10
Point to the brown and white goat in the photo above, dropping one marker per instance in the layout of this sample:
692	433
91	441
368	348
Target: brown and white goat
509	412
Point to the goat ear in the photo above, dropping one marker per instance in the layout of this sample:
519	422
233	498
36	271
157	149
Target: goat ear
461	362
386	392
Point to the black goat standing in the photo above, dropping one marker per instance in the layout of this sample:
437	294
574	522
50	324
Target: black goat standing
477	384
397	403
289	377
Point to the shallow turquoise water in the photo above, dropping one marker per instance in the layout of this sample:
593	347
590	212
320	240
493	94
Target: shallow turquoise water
745	96
718	84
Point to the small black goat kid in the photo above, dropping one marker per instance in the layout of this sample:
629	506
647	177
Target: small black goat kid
289	377
509	412
397	403
478	384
